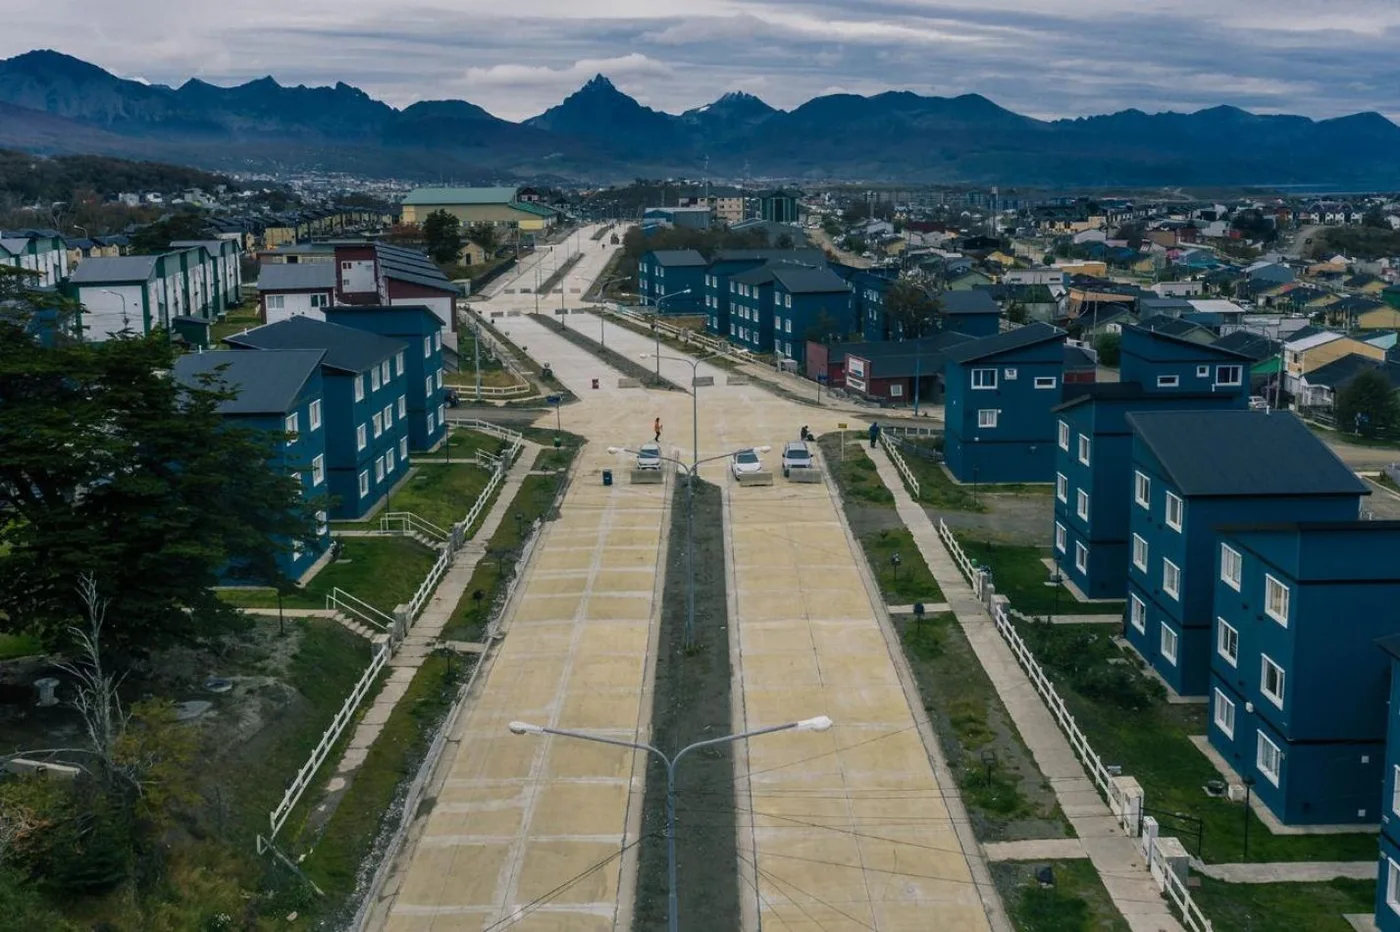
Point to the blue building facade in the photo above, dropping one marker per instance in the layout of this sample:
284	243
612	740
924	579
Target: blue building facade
1000	392
668	273
751	309
364	388
973	312
1094	478
1164	363
1194	472
1298	609
280	392
425	400
730	262
808	304
1388	873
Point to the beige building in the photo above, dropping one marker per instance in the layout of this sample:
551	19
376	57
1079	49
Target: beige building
501	207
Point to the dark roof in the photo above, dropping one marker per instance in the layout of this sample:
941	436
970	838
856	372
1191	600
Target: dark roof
901	358
296	276
396	312
1242	453
761	275
1077	393
409	265
1337	373
1005	342
1390	644
346	348
799	279
1254	345
1155	305
806	256
1170	326
1077	358
975	301
266	382
678	257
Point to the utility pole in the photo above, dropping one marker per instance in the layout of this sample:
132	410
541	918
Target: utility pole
476	343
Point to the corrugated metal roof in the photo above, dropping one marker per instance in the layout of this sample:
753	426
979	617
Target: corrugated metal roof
972	301
107	270
346	348
297	276
267	381
1005	342
799	279
427	197
677	258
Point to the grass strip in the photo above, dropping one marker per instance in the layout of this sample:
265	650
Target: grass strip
1020	574
1077	902
383	571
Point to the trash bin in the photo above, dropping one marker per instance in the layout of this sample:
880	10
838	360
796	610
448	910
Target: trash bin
607	477
595	383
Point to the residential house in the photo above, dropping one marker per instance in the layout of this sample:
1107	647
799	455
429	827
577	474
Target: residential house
1038	275
293	290
728	262
1000	391
1101	319
1081	365
1304	354
1193	472
280	392
808	304
751	309
373	274
1167	356
1318	389
966	281
779	206
365	386
676	276
899	371
974	312
1387	914
1378	318
690	218
1272	273
142	293
42	253
1299	607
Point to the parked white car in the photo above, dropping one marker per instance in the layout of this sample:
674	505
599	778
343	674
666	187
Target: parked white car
649	456
796	456
745	461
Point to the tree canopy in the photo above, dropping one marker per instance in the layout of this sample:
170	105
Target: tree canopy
912	309
486	236
442	236
1367	405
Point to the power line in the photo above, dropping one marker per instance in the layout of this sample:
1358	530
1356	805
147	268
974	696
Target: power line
543	898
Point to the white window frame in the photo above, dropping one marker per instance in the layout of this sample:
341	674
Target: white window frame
1271	775
374	381
322	524
276	302
384	373
1225	722
1395	790
403	407
1045	381
980	379
1174	524
897	391
378	419
428	385
318	470
403	449
291	423
1230	558
1060	537
1140	552
431	425
379	469
364	482
427	347
1009	374
1238	373
1137	613
389	461
1227	641
1084	449
1202	372
398	362
1168	636
1081	557
313	414
361	437
1081	505
1276	697
1064	436
439	378
987	418
1392	882
1270	582
1142	489
360	387
1170	569
1062	487
442	414
437	339
1168	381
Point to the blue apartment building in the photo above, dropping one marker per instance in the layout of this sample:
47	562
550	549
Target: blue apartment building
425	404
1000	392
751	309
1298	610
730	262
974	312
1194	472
1388	873
808	304
365	387
278	391
667	274
1166	363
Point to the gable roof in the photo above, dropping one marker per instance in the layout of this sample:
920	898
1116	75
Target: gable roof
1077	359
799	279
973	301
346	348
112	269
902	358
422	197
1021	337
1337	373
679	258
761	275
266	382
409	265
1173	328
296	276
805	256
1299	344
1254	345
1243	453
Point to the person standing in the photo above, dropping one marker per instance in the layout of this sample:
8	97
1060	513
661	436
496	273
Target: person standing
656	427
874	433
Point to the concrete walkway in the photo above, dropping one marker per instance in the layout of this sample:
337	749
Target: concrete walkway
1038	849
1288	872
1121	866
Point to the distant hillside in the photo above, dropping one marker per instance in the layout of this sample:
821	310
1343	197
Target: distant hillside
27	179
599	133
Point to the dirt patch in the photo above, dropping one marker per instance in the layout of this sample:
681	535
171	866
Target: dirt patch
691	703
1027	519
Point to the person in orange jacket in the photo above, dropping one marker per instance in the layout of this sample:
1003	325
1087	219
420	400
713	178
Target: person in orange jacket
656	426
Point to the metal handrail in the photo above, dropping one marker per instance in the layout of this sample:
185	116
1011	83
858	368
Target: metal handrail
341	600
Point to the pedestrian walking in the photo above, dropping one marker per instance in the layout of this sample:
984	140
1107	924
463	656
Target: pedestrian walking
656	426
874	433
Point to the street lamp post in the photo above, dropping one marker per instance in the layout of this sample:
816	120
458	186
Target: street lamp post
819	723
690	472
657	331
126	320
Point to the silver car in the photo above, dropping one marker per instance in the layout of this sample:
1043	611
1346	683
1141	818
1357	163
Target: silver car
796	456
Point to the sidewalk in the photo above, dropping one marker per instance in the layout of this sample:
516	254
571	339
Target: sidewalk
1120	864
1285	872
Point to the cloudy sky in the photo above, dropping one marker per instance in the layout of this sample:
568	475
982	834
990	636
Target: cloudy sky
1046	58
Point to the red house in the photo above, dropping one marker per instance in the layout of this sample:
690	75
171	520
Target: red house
374	275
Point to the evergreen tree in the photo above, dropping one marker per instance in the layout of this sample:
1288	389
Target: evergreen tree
442	236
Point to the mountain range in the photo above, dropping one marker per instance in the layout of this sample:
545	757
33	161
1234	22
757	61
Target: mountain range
54	103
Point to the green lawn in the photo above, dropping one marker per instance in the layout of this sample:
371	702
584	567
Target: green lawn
1077	902
936	489
464	445
1356	440
1019	574
1315	907
383	571
439	494
854	470
907	583
19	645
233	322
1151	741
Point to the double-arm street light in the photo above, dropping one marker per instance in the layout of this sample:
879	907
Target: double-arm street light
694	394
820	723
690	472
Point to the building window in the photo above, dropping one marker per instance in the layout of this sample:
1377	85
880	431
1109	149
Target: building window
428	385
1061	487
379	469
1168	645
364	483
439	378
388	416
1064	436
378	423
1224	714
374	379
1230	566
403	407
987	417
442	417
318	470
1227	641
1009	375
291	423
320	300
1139	553
1084	449
896	390
1173	512
398	362
437	340
1392	883
321	526
1137	614
1268	759
384	372
313	414
1275	600
389	461
1202	372
360	387
403	449
427	347
1045	381
1171	579
431	423
1081	505
984	378
360	441
1142	490
1059	537
1271	680
1229	375
787	325
1081	557
1168	381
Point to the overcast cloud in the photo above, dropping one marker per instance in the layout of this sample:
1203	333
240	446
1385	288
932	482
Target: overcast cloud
1046	58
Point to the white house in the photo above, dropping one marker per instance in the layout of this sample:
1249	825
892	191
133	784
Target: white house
142	293
301	289
36	251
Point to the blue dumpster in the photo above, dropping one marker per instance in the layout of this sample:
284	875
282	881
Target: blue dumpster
607	477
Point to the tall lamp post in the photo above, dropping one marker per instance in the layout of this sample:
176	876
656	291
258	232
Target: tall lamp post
657	332
820	723
694	397
602	339
126	320
690	472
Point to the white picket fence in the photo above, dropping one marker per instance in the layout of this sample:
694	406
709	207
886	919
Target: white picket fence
899	464
1126	808
514	437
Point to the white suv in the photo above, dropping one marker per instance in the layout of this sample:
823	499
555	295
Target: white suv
796	456
649	456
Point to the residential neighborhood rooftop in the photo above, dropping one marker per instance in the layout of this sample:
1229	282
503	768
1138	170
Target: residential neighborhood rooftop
296	276
1005	342
114	270
685	258
346	348
266	382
